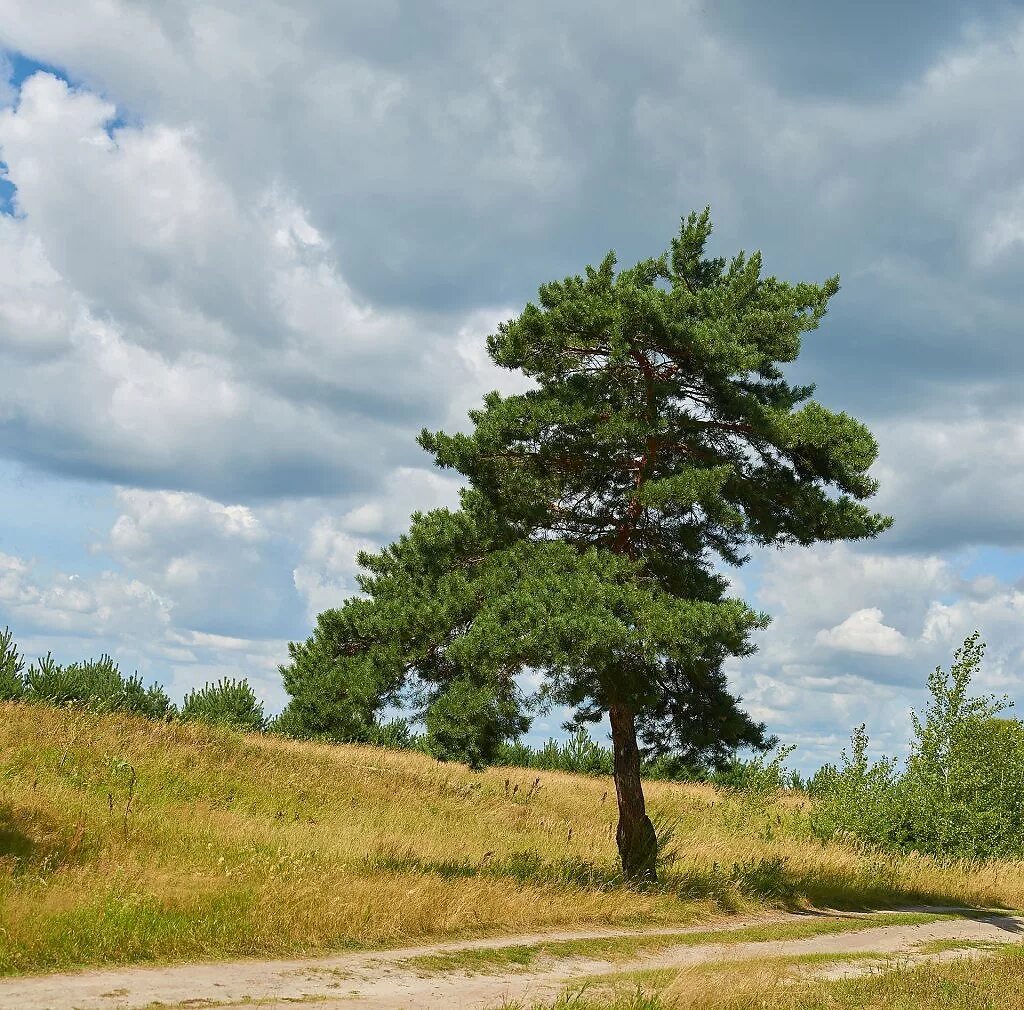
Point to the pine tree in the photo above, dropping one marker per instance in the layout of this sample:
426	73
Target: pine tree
660	438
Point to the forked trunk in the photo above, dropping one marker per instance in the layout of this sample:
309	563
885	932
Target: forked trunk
636	838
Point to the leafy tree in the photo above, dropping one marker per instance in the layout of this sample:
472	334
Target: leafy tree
961	791
695	720
226	703
659	438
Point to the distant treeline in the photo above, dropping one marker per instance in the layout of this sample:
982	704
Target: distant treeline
958	795
99	685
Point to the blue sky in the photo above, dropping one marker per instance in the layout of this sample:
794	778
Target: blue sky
244	258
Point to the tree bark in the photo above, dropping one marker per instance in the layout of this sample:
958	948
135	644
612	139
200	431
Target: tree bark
636	838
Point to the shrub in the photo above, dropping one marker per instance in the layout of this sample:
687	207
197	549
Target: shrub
961	791
226	703
151	701
396	735
95	683
857	798
762	776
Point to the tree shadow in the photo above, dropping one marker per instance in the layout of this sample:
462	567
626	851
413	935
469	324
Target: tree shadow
32	841
773	881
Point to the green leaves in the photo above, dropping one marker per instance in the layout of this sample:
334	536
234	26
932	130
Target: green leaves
647	375
12	667
960	794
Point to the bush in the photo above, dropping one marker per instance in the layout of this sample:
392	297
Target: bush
94	683
578	754
582	755
151	701
226	703
858	798
961	791
395	735
760	775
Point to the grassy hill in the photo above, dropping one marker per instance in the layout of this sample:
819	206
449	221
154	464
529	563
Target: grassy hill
123	840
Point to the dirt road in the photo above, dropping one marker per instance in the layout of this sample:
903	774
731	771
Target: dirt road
387	981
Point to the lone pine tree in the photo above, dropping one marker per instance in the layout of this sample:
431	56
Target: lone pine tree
660	438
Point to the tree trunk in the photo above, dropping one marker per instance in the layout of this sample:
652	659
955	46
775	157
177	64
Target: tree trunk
636	838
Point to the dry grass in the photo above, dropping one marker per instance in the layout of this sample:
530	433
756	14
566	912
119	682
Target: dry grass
124	841
795	983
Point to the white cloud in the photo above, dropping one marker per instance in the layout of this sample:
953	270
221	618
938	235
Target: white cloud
77	617
863	631
855	634
240	301
953	478
102	606
210	343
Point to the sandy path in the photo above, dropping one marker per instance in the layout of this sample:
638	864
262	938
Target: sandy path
379	981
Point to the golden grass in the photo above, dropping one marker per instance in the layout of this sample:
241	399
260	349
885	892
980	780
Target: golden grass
795	983
123	841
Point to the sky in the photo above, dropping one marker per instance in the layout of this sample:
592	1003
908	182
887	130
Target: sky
247	251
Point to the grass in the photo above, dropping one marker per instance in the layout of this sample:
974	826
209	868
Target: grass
493	960
946	946
788	983
126	841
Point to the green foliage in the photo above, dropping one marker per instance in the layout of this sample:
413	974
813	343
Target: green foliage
859	798
12	668
579	754
151	701
335	695
762	775
226	703
394	735
659	437
468	722
95	683
961	791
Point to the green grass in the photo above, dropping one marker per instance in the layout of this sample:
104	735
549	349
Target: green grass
945	946
495	960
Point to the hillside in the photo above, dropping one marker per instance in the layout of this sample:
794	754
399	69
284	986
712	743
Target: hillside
123	841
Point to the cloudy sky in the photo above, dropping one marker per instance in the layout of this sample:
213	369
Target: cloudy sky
247	250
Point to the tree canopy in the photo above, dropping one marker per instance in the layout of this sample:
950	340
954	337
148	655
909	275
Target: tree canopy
659	440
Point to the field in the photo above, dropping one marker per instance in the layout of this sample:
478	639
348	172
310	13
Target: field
126	841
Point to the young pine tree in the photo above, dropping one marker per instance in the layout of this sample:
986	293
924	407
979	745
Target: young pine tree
660	437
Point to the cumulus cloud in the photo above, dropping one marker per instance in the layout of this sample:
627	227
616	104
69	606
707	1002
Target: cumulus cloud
863	631
74	617
216	345
855	634
252	253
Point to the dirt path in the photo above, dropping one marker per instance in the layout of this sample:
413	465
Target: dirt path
384	981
